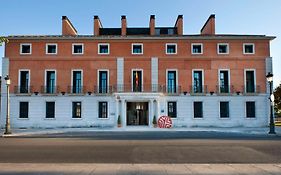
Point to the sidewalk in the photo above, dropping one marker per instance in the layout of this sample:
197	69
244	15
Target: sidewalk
43	131
140	169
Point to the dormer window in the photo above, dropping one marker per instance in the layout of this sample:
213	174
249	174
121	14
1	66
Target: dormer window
77	49
197	48
248	48
25	49
103	48
171	48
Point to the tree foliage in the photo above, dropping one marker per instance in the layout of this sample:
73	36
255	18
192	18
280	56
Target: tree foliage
277	100
3	40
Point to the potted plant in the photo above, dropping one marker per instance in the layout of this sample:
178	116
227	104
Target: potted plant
119	121
154	122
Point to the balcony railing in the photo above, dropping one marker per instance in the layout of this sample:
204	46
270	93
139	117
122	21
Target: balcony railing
141	88
198	89
171	90
23	89
76	89
225	89
103	90
49	89
250	90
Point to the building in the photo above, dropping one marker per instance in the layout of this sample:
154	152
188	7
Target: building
72	80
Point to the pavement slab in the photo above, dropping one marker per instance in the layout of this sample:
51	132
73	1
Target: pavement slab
139	169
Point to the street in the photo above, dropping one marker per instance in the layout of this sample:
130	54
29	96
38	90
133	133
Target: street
142	147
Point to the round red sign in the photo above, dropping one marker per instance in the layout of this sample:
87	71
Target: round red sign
164	122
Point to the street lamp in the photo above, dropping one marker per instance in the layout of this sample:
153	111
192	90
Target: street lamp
269	78
8	126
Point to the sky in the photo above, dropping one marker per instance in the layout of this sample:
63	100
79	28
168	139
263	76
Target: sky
33	17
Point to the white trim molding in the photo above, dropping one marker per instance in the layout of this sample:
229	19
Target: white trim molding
104	44
77	44
136	44
222	44
26	44
51	44
244	51
197	44
172	44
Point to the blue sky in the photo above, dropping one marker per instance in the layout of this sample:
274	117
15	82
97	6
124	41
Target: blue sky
24	17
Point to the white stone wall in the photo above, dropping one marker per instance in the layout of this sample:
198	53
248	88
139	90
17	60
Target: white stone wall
63	111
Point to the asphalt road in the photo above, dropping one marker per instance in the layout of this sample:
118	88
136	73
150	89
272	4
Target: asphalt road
142	147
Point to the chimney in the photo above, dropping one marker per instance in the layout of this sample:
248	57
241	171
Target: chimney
209	27
179	25
67	28
123	25
152	24
97	25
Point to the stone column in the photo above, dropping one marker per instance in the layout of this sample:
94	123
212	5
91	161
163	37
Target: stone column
151	113
123	113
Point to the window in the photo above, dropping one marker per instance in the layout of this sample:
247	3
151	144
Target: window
51	48
76	109
250	81
77	48
248	48
224	81
103	109
137	48
50	82
198	109
103	48
171	48
224	109
137	81
197	48
223	48
197	81
25	48
50	109
103	81
172	109
24	82
250	109
77	82
23	110
171	81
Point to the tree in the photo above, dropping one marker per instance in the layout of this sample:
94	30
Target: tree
3	40
277	100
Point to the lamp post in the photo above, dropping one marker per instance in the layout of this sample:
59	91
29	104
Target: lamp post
8	127
269	78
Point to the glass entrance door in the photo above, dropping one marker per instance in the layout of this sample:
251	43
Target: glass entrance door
137	113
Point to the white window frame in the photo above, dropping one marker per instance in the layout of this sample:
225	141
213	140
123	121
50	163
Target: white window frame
244	44
104	44
51	44
197	44
19	77
72	70
255	79
28	115
45	80
176	48
30	45
45	118
98	78
167	107
136	44
177	78
224	118
76	44
203	104
132	78
203	79
245	109
219	82
222	44
71	109
107	109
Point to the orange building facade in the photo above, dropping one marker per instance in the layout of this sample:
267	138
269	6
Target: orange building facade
136	75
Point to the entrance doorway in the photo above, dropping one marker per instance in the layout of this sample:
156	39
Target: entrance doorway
137	113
